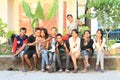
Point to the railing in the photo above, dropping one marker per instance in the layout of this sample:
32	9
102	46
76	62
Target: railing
115	34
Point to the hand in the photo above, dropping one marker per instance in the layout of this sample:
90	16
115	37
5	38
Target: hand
15	55
57	45
38	55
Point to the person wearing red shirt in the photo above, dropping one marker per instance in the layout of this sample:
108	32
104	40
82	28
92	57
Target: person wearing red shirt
19	46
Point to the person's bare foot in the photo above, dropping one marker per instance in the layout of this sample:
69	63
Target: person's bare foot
35	69
30	69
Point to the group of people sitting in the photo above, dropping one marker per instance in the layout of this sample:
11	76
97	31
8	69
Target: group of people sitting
49	48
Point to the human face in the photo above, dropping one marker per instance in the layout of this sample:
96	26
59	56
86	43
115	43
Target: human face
70	19
22	33
87	34
53	31
59	38
98	34
42	34
37	33
74	34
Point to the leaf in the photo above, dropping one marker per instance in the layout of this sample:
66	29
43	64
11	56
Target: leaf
53	10
35	23
39	12
26	9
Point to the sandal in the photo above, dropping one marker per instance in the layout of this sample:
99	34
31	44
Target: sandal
84	71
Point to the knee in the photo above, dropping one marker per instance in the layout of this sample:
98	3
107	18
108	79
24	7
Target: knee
34	56
26	56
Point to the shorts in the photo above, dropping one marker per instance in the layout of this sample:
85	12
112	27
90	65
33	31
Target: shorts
20	54
85	52
30	53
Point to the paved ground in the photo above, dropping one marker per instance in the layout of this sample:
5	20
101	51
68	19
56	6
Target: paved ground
38	75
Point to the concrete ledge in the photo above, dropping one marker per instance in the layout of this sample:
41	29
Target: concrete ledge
111	63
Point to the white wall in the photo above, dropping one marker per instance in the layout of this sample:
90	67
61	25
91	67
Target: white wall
3	10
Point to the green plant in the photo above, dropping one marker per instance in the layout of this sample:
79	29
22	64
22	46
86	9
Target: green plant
107	13
3	27
39	12
82	29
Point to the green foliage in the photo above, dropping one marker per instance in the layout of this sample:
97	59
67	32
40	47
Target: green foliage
107	13
82	29
5	49
39	12
111	42
9	34
3	26
27	9
53	10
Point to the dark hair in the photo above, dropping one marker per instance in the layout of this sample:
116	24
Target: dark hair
86	31
69	15
101	31
45	32
54	28
37	28
75	30
59	35
23	28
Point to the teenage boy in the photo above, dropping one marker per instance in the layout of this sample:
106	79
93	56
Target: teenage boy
19	45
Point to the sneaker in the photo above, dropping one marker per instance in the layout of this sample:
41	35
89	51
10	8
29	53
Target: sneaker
102	70
60	70
67	71
96	69
43	70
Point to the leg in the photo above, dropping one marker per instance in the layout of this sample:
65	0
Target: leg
43	61
98	59
22	62
54	57
28	62
35	61
67	61
50	57
74	61
58	60
102	61
46	57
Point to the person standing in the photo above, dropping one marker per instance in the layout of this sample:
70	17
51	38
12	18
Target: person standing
72	24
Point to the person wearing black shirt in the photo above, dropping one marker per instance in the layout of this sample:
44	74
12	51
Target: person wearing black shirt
31	52
61	49
86	49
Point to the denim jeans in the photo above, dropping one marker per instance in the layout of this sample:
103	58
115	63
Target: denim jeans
44	59
58	56
52	57
85	53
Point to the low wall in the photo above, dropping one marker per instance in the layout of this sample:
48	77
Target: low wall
111	63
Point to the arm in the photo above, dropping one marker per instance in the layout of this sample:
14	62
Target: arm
79	22
66	49
77	46
103	44
20	49
56	46
37	50
14	48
